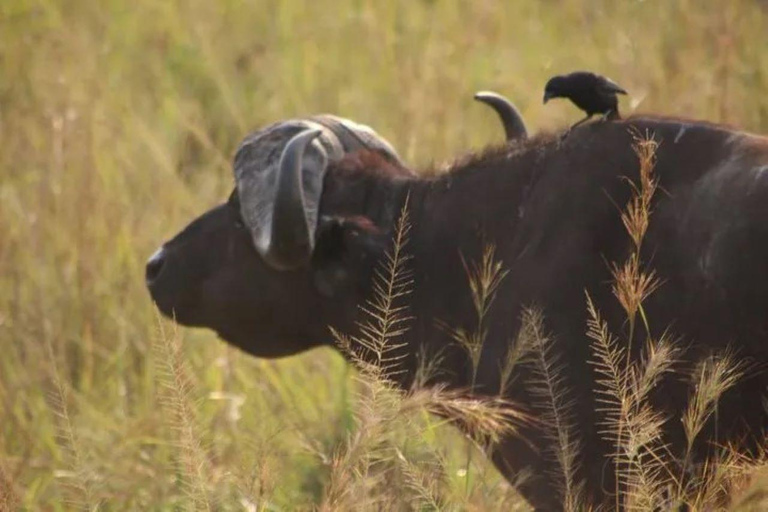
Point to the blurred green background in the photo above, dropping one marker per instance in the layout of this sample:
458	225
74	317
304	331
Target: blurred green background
118	122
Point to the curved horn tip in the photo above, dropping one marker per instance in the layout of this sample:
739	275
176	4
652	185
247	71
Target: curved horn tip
297	145
514	126
301	139
489	95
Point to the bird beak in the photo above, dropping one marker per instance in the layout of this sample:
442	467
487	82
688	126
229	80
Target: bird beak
547	96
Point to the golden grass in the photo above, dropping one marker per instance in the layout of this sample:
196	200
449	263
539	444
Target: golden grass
176	397
550	390
648	474
118	124
365	467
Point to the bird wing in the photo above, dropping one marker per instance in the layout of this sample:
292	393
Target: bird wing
610	86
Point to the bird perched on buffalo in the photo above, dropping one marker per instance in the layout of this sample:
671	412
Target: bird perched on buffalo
594	94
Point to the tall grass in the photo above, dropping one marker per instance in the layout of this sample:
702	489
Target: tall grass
118	124
364	467
648	474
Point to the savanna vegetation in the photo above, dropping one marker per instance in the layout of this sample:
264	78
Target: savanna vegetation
118	121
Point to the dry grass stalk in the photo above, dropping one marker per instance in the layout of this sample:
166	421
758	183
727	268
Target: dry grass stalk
9	497
642	462
484	279
486	419
623	387
519	351
551	391
721	478
631	284
748	490
428	365
361	467
423	483
375	352
75	478
176	397
386	314
712	377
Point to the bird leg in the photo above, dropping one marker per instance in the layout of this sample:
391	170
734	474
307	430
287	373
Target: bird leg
589	116
568	131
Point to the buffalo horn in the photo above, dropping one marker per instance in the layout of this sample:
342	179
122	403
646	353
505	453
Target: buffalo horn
291	242
514	126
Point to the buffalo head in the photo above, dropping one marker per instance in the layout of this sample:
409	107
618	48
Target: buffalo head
265	269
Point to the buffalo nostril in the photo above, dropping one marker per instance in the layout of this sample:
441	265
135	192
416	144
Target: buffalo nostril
155	265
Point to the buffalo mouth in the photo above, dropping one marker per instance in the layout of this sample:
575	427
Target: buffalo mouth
171	299
178	310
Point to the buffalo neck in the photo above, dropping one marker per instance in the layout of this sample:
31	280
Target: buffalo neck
453	218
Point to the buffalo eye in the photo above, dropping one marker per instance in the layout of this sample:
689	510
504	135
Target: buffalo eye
234	203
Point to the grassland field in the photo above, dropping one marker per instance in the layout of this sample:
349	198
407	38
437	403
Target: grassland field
118	122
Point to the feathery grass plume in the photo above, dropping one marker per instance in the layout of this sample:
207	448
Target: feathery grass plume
486	419
643	477
176	397
611	385
375	351
427	366
361	467
255	482
631	284
657	358
9	497
519	351
471	341
749	491
628	421
613	395
630	424
551	391
353	479
637	212
75	479
642	448
712	377
484	279
725	478
386	311
423	482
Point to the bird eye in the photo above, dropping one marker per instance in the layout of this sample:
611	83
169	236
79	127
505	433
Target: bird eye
239	223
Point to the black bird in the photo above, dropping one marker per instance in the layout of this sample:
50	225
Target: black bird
594	94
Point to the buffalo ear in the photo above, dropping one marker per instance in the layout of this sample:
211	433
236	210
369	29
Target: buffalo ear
344	252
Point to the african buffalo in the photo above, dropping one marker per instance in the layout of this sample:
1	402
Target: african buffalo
292	252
